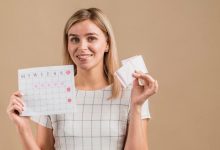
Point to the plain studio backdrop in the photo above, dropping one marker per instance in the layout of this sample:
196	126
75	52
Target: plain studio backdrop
180	43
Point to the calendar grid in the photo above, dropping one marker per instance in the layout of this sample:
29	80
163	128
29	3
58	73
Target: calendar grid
47	90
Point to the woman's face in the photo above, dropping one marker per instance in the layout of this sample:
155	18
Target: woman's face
87	45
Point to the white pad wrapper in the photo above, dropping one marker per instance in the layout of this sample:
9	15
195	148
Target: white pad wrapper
129	65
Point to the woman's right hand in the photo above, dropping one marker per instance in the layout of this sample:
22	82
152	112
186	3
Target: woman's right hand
15	107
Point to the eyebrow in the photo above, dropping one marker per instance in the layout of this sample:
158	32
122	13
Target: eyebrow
92	33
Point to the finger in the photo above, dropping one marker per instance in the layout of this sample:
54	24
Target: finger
18	99
138	82
136	75
15	108
138	71
147	76
143	80
17	103
146	80
135	82
18	93
143	76
152	90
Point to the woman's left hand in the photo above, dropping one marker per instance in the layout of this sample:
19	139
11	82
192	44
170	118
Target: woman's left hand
140	93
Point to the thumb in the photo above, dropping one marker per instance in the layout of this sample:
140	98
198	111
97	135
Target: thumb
135	82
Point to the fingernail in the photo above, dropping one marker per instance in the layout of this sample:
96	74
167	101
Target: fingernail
141	82
22	94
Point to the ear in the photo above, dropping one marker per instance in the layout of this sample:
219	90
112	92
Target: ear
107	48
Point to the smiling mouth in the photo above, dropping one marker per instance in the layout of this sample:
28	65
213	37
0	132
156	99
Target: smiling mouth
84	56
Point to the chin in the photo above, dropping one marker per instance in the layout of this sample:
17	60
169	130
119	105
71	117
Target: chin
85	67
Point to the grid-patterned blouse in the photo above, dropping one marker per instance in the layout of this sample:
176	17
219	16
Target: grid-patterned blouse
98	124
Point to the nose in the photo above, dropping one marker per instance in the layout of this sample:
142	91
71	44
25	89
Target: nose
83	45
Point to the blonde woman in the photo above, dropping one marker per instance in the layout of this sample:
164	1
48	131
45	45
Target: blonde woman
109	117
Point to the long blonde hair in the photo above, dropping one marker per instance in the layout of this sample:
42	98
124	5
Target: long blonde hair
111	63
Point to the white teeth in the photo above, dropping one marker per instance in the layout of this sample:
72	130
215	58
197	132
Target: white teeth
84	56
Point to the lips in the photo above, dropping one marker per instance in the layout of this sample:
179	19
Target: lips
84	56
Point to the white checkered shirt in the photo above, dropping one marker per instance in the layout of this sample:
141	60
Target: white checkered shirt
98	124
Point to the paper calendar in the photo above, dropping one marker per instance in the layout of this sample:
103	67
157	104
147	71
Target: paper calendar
47	90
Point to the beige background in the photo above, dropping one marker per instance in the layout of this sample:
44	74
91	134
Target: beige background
180	42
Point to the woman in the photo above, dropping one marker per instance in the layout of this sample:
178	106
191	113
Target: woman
108	116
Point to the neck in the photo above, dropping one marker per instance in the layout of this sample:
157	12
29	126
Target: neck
90	79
